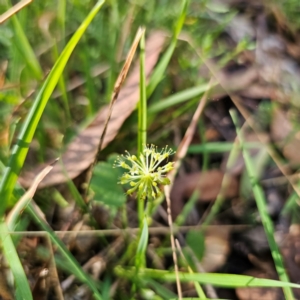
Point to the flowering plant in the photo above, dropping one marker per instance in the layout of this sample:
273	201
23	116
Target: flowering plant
146	172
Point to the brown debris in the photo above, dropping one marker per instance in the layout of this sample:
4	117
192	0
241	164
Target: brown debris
208	184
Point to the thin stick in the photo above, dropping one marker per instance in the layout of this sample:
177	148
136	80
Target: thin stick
13	10
17	210
198	287
118	232
115	94
168	200
53	271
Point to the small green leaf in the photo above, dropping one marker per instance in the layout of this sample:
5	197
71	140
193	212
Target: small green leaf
105	185
195	240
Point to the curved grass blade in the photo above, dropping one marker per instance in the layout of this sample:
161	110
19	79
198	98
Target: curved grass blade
16	212
73	265
21	148
11	255
263	212
159	71
216	279
180	97
25	48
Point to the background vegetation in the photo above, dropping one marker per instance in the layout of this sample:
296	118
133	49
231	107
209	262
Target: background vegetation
217	81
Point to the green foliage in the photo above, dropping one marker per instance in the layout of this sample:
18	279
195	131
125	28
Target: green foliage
104	184
253	173
195	240
222	280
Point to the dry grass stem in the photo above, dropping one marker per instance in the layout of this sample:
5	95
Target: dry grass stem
13	10
25	199
174	254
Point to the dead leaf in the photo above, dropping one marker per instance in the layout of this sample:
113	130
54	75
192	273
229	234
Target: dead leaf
285	136
81	151
17	210
13	10
208	183
255	293
216	249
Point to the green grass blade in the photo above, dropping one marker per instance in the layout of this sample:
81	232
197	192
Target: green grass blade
25	48
61	17
179	98
263	211
142	246
142	120
160	289
159	71
11	255
219	147
216	279
73	265
21	148
196	299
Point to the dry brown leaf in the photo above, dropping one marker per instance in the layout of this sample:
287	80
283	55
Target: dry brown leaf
217	249
255	293
26	198
208	183
285	136
82	150
13	10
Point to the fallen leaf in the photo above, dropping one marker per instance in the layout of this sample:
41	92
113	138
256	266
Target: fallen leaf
82	150
285	135
217	249
17	210
255	293
208	184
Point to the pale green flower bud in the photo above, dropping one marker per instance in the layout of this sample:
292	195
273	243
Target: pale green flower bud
146	171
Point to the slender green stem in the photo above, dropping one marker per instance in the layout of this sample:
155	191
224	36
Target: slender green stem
142	120
142	106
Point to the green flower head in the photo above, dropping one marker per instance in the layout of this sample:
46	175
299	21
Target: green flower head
145	173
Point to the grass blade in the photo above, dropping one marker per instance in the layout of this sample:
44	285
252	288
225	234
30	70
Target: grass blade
142	246
216	279
25	48
179	97
21	148
159	71
73	265
142	106
263	211
11	255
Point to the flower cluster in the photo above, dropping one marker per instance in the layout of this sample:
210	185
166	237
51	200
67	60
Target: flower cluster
145	173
